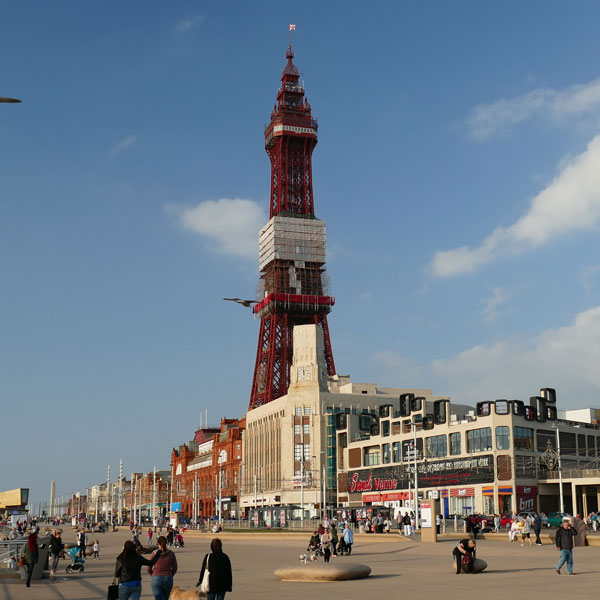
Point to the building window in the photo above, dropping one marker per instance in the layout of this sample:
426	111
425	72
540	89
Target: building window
523	438
396	451
385	428
581	444
365	423
479	440
298	451
297	429
436	446
372	457
502	438
387	453
306	429
502	407
396	428
298	411
455	444
307	410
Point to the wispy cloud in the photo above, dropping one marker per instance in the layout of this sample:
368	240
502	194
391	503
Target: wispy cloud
565	358
498	298
571	202
486	120
186	25
123	145
230	225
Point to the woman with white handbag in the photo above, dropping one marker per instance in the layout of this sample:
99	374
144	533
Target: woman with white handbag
215	575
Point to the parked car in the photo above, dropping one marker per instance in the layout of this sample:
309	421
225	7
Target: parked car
525	514
555	518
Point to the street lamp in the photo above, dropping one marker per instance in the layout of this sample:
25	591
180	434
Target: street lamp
560	482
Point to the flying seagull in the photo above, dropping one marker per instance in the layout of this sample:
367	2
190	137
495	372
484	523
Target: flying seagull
246	303
9	100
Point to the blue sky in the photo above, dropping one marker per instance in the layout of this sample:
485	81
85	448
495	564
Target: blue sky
458	171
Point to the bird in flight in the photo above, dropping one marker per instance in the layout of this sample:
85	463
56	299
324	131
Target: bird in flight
246	303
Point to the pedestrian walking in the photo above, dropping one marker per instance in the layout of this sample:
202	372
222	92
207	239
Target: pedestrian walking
334	539
128	571
163	571
537	528
31	554
526	531
96	549
149	535
326	545
56	549
220	579
497	523
463	549
81	542
348	537
406	524
564	542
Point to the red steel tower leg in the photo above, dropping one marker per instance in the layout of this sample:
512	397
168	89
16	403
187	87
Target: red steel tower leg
292	244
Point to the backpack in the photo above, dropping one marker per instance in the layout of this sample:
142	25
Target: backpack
467	560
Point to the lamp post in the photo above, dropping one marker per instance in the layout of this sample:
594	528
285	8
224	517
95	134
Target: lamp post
414	426
560	482
302	490
322	461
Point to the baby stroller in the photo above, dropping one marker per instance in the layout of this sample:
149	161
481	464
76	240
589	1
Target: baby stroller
179	541
76	561
314	546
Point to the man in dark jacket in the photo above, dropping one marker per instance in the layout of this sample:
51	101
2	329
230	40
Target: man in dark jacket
537	528
465	547
564	542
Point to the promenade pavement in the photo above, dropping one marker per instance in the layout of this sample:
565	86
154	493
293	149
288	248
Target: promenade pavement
399	566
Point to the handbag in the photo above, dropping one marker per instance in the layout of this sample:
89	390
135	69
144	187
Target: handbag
205	584
113	590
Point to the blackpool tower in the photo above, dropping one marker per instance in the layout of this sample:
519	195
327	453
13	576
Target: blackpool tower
293	287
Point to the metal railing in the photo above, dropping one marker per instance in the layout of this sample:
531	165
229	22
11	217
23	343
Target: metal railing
10	548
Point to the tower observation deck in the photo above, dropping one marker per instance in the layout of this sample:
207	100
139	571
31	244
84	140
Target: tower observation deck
293	287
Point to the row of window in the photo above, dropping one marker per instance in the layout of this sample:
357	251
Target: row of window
439	446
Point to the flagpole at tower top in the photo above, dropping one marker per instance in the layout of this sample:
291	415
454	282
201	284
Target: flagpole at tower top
291	28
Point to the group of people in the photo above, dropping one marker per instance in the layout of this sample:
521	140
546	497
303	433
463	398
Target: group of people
327	541
162	566
525	527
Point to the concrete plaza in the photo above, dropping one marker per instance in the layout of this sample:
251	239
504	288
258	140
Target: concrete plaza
399	566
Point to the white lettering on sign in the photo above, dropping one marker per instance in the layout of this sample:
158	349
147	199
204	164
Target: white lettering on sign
526	504
462	492
280	128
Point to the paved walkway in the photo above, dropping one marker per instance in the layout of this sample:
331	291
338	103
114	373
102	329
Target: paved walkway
399	567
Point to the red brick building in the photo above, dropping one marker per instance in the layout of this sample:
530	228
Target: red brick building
212	460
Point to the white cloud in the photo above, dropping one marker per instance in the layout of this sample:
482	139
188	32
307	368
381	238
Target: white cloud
123	144
187	25
554	105
566	358
497	299
569	203
230	224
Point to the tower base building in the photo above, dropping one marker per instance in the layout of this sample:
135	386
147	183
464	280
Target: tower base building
290	447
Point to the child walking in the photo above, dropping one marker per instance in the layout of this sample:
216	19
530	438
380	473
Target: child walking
96	549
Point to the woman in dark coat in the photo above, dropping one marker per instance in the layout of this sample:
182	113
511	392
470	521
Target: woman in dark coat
31	554
128	571
219	567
